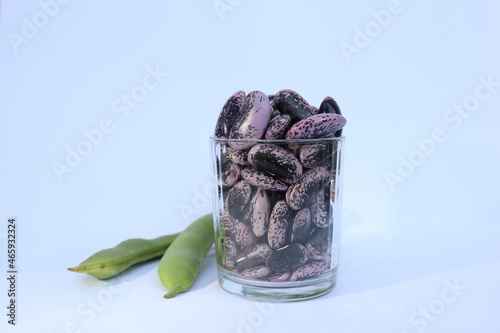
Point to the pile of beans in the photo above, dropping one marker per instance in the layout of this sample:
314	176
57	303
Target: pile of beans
276	220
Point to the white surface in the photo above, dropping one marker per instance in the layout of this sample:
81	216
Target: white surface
401	246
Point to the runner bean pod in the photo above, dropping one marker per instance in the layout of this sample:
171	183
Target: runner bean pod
110	262
182	261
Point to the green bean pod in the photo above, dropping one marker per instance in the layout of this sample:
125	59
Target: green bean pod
110	262
182	261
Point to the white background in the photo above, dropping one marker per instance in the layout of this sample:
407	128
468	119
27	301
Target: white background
403	242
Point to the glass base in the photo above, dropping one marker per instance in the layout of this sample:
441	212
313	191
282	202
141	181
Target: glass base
264	291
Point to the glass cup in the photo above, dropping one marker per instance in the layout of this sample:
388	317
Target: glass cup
276	210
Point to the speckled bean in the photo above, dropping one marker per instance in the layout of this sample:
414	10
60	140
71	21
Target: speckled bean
242	234
287	258
244	216
277	161
318	244
260	209
229	264
316	126
299	194
238	156
277	127
230	173
238	197
275	196
278	225
290	102
256	272
320	208
263	180
279	276
301	226
231	247
329	105
229	113
315	155
253	120
309	270
312	255
255	257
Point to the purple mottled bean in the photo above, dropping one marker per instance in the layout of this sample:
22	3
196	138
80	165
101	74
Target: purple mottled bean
238	156
255	257
244	216
231	247
287	258
275	196
329	105
230	173
278	276
320	206
301	226
314	155
263	180
277	161
238	197
226	222
256	272
318	243
309	270
312	255
260	209
229	264
242	234
253	120
315	110
278	225
299	194
277	127
290	102
229	113
316	126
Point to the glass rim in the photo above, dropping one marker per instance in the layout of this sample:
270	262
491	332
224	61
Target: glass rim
212	138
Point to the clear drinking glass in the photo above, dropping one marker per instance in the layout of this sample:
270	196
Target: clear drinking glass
276	209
